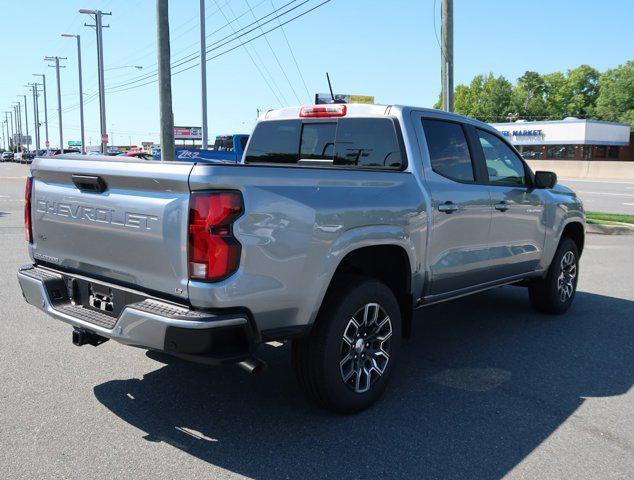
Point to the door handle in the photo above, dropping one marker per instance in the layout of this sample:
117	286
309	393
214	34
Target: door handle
447	207
502	206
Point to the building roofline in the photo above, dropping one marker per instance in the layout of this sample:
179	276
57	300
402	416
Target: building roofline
544	122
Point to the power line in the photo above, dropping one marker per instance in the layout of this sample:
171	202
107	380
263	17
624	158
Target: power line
274	54
129	86
293	55
256	66
218	44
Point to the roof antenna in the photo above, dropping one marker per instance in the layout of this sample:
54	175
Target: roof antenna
332	95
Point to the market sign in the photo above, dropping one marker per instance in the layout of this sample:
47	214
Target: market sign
326	98
188	133
524	136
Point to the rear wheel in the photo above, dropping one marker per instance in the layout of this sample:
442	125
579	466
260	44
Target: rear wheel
346	361
555	293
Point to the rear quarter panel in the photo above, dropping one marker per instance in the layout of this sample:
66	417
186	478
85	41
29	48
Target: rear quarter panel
299	223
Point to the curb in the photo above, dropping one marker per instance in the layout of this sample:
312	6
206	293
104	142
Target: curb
602	229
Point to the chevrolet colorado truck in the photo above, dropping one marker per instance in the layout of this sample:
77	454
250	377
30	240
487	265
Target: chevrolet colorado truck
338	224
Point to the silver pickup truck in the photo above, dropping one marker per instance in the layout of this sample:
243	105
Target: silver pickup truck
339	223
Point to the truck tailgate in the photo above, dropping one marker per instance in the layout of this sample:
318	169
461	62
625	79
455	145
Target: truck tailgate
133	232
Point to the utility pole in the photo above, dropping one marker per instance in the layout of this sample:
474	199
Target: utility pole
447	55
47	144
12	130
59	98
81	92
26	124
6	121
203	72
18	123
36	114
99	26
165	81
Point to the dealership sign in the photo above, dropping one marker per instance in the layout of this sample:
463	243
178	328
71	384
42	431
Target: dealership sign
188	133
326	98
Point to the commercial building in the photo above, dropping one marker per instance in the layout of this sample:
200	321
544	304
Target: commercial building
570	139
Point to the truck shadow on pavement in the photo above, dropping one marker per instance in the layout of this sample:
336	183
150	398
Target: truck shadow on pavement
483	382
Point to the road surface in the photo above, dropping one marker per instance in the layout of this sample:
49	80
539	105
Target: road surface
610	196
486	388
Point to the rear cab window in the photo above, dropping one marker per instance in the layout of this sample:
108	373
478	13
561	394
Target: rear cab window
449	150
372	143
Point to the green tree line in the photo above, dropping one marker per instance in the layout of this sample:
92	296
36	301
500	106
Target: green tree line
582	92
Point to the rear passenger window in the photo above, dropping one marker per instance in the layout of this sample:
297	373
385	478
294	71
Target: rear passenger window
275	142
367	142
347	142
448	150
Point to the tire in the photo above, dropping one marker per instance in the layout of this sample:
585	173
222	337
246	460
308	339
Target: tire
555	292
323	360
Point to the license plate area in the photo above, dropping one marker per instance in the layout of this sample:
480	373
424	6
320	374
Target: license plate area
101	297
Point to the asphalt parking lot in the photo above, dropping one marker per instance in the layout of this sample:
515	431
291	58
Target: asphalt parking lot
486	388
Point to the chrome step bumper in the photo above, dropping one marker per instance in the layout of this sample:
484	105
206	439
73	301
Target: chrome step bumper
143	324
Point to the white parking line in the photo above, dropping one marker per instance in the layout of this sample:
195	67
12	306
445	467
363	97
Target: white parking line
596	181
608	193
629	204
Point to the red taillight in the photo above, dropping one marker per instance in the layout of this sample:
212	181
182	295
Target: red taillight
214	253
27	210
335	110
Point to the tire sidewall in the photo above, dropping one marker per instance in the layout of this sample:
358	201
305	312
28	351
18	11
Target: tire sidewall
368	291
566	245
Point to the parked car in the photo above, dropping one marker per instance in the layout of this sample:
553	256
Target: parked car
6	156
64	151
141	155
226	149
342	221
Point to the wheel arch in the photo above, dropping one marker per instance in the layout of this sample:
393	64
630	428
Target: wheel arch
575	231
390	264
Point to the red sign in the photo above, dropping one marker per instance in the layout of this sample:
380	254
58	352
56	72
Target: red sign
188	133
104	138
47	143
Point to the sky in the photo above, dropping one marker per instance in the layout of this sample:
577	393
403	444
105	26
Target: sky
388	49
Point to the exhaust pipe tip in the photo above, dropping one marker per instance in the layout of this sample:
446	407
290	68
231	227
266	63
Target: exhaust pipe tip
253	366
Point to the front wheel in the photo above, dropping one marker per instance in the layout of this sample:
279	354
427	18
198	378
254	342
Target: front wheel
346	361
555	292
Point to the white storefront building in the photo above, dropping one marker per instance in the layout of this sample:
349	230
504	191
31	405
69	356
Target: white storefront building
570	139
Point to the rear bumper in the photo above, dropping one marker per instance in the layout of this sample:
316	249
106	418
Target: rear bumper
150	323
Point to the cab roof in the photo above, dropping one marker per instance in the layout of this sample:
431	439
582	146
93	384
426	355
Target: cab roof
367	110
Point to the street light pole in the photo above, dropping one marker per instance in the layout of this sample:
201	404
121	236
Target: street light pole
59	98
203	72
99	26
81	92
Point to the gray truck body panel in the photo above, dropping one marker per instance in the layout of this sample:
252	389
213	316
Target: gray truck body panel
299	222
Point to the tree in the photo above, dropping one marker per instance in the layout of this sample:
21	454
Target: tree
528	97
556	95
486	98
615	101
583	88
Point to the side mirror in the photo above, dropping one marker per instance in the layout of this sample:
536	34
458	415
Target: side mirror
545	179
